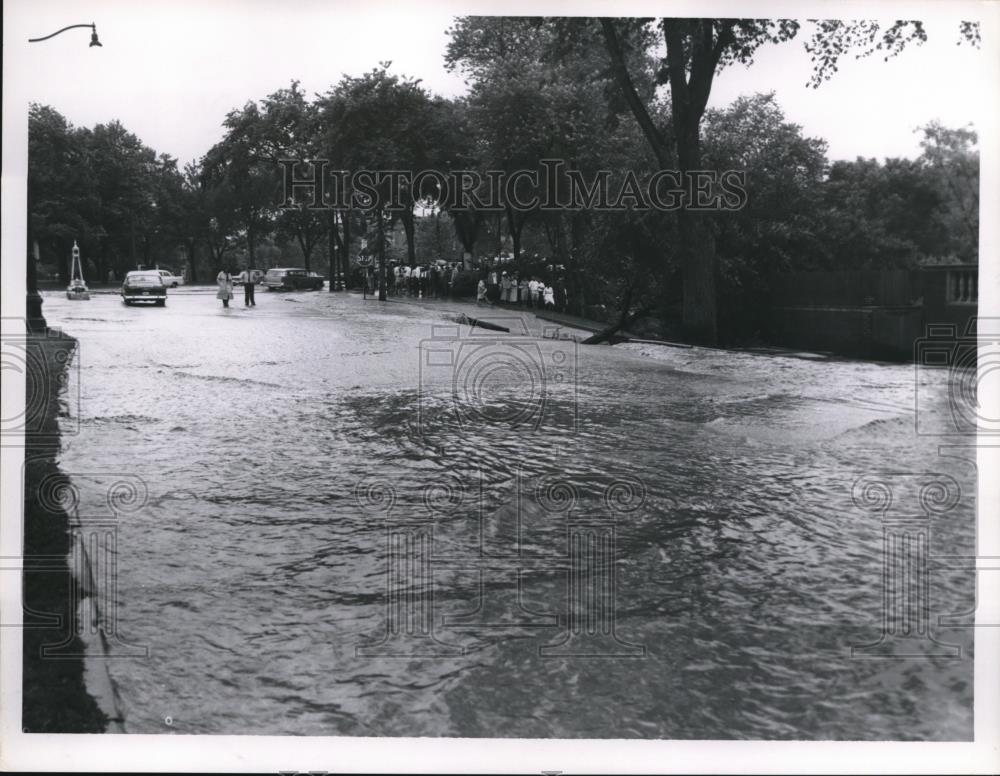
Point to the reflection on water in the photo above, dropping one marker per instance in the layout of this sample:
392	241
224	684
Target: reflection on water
663	548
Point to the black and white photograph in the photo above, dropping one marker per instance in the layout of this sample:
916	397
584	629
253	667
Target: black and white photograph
552	387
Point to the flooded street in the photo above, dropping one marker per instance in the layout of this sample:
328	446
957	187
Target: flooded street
602	542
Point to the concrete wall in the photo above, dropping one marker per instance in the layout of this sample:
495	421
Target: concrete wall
951	295
870	314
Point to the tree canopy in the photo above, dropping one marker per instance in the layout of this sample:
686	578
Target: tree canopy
601	97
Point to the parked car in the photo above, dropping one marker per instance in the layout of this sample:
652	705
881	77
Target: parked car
144	286
170	280
292	278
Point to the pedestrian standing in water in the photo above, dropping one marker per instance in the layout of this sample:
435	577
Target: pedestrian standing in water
248	287
225	282
533	292
492	286
505	286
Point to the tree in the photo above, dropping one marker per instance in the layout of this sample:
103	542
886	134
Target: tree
381	122
239	162
778	229
288	131
124	171
221	228
105	189
509	104
456	149
881	216
62	200
951	157
541	90
102	188
695	50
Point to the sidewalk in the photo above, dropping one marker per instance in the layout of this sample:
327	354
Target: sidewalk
579	328
575	326
55	697
519	320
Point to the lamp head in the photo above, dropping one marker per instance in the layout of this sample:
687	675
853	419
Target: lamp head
93	37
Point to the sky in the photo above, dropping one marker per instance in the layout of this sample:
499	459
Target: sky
170	71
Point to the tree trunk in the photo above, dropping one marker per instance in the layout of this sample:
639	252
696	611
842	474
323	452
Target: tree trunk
466	229
411	249
251	244
381	256
697	248
345	257
192	248
572	262
698	273
132	237
515	226
63	264
332	248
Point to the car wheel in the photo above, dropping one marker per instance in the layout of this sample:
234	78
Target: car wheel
161	302
126	302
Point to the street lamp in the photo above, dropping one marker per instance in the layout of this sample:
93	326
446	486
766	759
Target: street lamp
33	301
93	34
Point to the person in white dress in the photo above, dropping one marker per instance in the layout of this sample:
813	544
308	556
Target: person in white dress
225	283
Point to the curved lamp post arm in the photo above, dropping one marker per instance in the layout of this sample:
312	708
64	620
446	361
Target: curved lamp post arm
93	34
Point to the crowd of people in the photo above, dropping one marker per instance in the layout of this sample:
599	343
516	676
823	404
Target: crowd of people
434	281
496	285
512	288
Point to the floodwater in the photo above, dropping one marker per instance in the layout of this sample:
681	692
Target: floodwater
356	518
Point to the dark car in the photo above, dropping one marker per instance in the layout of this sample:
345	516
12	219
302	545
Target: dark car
144	286
292	279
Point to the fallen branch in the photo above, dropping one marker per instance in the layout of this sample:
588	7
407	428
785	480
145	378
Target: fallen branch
609	333
465	319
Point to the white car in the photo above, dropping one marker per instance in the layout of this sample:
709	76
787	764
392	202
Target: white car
170	280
